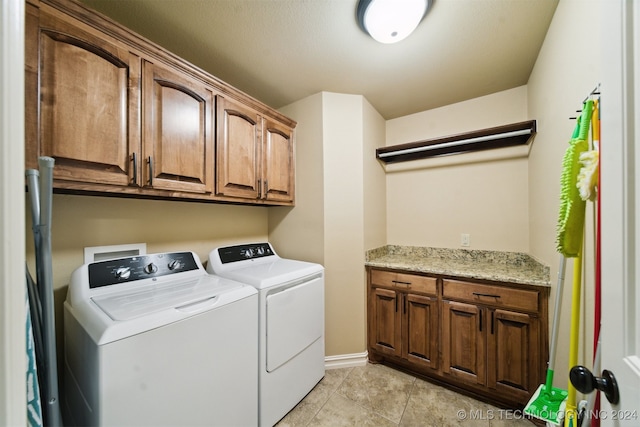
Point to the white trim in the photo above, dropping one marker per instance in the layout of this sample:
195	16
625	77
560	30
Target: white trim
13	401
346	360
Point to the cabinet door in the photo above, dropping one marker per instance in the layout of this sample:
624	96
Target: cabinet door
513	354
385	332
278	167
178	139
463	342
89	97
237	150
420	339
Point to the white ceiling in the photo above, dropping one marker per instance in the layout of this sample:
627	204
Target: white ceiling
280	51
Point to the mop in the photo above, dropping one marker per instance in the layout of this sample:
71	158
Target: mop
570	240
548	403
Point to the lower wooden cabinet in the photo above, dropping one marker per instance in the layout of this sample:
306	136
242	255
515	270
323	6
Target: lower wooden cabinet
487	338
420	339
464	342
403	317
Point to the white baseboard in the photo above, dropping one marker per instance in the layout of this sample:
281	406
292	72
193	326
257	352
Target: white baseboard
345	360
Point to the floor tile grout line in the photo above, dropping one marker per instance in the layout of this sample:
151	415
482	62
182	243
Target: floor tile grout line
413	387
329	397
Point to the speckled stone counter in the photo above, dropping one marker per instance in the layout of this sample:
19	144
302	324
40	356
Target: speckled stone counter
511	267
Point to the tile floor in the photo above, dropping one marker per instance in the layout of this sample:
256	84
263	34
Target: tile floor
376	395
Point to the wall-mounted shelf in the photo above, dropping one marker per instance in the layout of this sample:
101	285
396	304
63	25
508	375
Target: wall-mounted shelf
485	139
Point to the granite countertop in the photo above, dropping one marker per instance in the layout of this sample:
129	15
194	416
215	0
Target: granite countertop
512	267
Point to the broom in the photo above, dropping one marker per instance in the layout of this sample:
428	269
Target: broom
570	241
548	403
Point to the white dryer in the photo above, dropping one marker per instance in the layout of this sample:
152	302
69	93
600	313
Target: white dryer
291	331
154	340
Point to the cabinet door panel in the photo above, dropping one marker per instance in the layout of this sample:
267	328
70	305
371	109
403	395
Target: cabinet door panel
90	128
278	163
421	341
513	353
237	152
463	342
178	140
386	318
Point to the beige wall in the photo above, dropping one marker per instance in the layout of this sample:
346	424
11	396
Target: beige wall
81	221
299	232
344	233
567	69
340	208
433	201
375	184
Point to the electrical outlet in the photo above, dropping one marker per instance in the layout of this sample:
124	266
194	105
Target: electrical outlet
465	240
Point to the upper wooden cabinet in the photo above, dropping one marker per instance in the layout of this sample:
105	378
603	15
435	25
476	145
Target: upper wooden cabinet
177	136
278	162
88	101
121	115
238	150
254	155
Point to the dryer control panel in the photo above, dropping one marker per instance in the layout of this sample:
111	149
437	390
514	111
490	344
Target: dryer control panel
244	252
128	269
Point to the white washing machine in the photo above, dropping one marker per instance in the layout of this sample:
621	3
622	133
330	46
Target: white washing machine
153	340
291	331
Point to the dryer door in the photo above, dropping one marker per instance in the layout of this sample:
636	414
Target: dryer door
294	319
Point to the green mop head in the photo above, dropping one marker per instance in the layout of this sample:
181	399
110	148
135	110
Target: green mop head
572	207
547	403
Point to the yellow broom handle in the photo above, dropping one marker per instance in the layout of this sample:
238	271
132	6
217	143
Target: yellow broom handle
571	415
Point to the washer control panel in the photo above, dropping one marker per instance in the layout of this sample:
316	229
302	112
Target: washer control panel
244	252
115	271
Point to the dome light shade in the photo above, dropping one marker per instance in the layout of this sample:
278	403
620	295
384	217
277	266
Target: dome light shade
389	21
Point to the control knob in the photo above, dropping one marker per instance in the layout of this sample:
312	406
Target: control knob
123	273
150	268
174	264
248	253
260	250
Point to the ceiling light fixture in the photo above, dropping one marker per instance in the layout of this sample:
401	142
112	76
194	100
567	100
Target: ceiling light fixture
389	21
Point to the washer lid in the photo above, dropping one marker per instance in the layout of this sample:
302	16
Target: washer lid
266	274
161	296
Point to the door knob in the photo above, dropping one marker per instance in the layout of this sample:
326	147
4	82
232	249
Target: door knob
584	381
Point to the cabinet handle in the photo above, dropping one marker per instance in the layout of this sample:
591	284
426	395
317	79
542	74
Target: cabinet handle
259	189
399	282
493	315
478	294
405	305
480	321
134	159
150	171
396	303
266	188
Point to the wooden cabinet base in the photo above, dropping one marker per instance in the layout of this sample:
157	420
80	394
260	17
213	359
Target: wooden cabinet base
485	339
